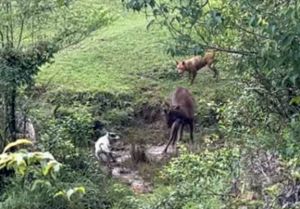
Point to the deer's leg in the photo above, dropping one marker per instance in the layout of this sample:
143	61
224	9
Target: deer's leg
191	131
173	133
179	133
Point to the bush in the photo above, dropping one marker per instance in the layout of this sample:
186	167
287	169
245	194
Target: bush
290	146
33	180
38	184
64	135
119	117
197	180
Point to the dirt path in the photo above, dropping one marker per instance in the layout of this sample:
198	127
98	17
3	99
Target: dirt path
130	176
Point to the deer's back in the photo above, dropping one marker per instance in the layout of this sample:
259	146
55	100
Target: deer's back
183	99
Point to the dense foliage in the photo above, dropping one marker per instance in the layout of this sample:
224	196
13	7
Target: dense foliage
27	43
30	33
260	42
246	151
262	36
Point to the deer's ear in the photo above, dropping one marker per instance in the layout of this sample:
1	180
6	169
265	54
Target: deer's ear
183	62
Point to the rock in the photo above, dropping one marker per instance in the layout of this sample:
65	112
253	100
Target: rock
122	153
25	128
121	156
119	146
140	187
155	153
125	175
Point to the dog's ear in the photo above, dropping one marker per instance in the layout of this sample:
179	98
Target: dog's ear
113	135
183	62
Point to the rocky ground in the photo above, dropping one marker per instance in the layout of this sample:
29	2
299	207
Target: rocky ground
125	157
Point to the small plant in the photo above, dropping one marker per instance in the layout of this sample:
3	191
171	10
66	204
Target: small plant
35	179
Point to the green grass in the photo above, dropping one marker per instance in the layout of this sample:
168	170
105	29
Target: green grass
109	59
117	58
125	57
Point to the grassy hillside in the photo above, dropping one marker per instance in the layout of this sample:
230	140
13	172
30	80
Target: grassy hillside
109	60
117	79
123	57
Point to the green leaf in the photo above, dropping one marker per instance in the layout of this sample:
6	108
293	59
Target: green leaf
287	41
60	193
20	165
4	159
16	143
39	182
80	189
253	21
60	2
51	166
296	174
274	189
76	190
70	192
295	100
294	79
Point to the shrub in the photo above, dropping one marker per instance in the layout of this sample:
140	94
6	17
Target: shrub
34	178
119	117
197	180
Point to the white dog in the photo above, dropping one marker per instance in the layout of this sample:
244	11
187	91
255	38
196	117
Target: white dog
102	147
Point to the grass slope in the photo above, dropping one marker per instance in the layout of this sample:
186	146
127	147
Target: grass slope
109	60
117	58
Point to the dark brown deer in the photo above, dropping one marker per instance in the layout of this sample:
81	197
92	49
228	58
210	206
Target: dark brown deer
180	113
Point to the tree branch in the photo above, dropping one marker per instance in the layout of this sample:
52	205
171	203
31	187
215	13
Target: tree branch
250	32
11	25
21	32
2	39
231	51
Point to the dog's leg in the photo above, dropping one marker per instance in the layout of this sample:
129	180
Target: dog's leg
214	70
112	157
194	73
190	75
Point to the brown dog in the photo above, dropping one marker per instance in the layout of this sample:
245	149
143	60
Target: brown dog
194	64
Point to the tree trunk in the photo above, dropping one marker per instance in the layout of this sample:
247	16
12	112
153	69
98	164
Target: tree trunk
12	114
